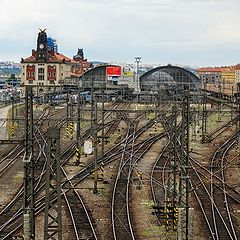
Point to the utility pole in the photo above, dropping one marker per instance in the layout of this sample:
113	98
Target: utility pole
219	105
94	134
92	103
53	214
103	135
78	146
171	204
184	192
29	164
71	125
137	60
232	102
238	104
238	122
13	116
95	191
67	128
204	118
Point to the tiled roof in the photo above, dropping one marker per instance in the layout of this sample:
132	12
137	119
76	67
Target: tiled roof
219	69
61	57
237	67
215	69
56	57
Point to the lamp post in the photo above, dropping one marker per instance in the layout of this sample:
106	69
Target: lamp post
137	60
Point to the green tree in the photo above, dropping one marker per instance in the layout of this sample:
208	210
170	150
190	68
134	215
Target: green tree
11	79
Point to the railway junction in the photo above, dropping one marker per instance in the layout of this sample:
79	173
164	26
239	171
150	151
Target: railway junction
91	161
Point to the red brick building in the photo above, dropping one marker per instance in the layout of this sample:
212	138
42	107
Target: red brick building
45	67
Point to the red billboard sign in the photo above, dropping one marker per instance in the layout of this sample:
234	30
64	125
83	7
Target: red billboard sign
114	71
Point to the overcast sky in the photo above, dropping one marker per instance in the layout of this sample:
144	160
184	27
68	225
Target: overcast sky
188	32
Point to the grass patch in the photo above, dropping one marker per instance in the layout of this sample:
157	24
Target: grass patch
150	116
159	231
85	124
215	119
113	137
18	178
147	203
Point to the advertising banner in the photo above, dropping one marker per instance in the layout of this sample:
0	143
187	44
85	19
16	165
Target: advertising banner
114	71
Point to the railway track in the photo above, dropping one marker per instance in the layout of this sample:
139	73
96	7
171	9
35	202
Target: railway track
121	196
224	229
213	198
82	223
16	203
217	132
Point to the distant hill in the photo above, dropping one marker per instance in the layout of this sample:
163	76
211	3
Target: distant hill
9	67
15	71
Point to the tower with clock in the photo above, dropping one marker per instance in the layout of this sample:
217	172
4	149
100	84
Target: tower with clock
42	48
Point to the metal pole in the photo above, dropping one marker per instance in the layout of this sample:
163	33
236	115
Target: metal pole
137	60
67	127
185	161
238	104
232	102
103	136
238	113
29	208
94	134
71	118
204	119
13	127
78	148
92	104
53	215
95	191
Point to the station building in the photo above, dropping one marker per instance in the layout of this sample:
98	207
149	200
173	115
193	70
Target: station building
228	74
219	75
220	79
237	73
210	75
47	67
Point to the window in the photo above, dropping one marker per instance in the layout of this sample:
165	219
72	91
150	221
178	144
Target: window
41	77
41	74
41	70
30	81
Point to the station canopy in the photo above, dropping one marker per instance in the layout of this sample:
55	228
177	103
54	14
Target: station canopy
168	78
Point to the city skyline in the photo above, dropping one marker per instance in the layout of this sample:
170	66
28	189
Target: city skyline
187	32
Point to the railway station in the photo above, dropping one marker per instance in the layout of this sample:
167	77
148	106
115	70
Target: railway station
87	155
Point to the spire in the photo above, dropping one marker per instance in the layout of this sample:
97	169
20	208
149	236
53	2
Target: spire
42	49
80	55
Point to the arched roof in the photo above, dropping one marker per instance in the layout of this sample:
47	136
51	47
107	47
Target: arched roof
101	67
180	75
96	76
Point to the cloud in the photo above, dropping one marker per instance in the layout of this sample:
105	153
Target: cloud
121	29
